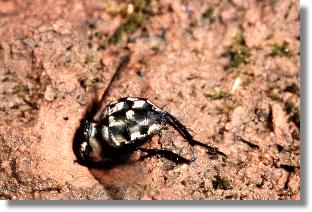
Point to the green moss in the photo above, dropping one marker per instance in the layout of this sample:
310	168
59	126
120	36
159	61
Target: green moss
294	113
238	39
275	85
103	45
155	48
217	95
193	22
90	58
116	37
289	106
134	21
246	81
238	52
273	91
226	108
221	183
89	81
143	6
21	88
115	9
281	49
209	14
273	95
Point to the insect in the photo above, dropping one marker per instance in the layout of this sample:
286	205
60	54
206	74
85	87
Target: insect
122	127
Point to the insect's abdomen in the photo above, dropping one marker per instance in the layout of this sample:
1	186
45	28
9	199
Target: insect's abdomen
130	121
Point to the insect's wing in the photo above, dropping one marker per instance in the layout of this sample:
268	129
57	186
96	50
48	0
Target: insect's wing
103	111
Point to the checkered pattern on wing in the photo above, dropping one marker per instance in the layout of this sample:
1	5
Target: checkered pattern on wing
130	120
128	103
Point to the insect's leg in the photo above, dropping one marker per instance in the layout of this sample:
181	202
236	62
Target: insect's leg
164	153
177	125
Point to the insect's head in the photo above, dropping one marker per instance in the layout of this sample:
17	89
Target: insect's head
85	144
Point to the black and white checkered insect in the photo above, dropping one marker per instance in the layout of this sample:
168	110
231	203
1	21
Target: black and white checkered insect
122	127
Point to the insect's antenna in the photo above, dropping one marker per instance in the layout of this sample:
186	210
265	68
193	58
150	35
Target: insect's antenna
122	65
162	107
177	125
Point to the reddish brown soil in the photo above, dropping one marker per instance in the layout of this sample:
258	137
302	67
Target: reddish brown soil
52	62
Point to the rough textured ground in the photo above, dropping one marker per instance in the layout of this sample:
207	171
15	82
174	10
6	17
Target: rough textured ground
229	70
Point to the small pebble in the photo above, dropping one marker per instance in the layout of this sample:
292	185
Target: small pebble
49	93
13	105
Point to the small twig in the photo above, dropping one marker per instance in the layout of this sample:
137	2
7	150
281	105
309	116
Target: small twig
31	104
252	145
